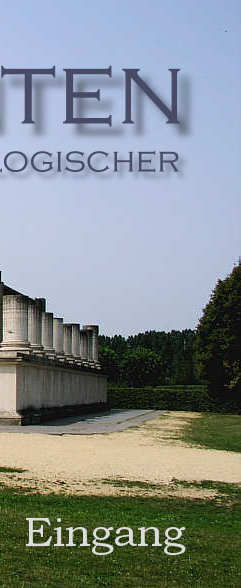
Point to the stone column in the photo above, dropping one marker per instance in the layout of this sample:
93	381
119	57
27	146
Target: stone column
92	334
58	336
83	344
35	325
88	331
68	340
42	303
15	323
47	332
95	342
76	340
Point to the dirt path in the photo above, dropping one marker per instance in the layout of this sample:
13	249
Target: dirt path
86	464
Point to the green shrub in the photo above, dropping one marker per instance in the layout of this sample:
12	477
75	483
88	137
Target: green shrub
194	398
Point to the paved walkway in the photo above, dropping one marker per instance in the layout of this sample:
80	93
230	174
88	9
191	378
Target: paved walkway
109	422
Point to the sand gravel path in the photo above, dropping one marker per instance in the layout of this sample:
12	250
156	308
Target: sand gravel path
148	453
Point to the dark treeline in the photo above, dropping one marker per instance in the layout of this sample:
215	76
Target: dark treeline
152	358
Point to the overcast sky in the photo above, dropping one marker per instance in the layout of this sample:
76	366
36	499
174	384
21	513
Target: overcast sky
129	251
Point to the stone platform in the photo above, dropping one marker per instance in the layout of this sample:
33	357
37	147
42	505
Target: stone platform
88	424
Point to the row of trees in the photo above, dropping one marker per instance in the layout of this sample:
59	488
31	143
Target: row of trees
211	353
152	358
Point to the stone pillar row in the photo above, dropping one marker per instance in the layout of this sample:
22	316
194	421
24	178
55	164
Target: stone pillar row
28	327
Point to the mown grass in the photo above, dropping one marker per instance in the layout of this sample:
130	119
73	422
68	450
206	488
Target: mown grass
212	539
215	431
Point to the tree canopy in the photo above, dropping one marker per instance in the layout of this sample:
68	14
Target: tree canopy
150	358
218	345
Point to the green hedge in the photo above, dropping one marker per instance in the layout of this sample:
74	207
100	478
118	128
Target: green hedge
194	398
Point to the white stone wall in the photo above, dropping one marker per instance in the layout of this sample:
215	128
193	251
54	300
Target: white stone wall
8	388
43	387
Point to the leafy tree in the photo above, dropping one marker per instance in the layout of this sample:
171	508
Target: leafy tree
117	343
110	363
219	339
140	367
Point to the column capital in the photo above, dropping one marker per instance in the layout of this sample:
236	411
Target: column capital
91	328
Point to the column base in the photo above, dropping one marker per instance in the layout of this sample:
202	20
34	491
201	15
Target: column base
36	348
13	353
49	353
15	346
60	357
69	358
10	418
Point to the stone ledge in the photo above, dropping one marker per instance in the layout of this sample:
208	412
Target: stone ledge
7	357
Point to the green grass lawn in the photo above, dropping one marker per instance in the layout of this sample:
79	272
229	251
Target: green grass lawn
215	431
212	539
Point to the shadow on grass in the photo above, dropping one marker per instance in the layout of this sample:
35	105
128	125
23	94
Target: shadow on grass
7	470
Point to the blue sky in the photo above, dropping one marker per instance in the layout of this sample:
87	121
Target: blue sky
131	252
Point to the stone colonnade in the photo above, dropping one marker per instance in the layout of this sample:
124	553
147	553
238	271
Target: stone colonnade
28	328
